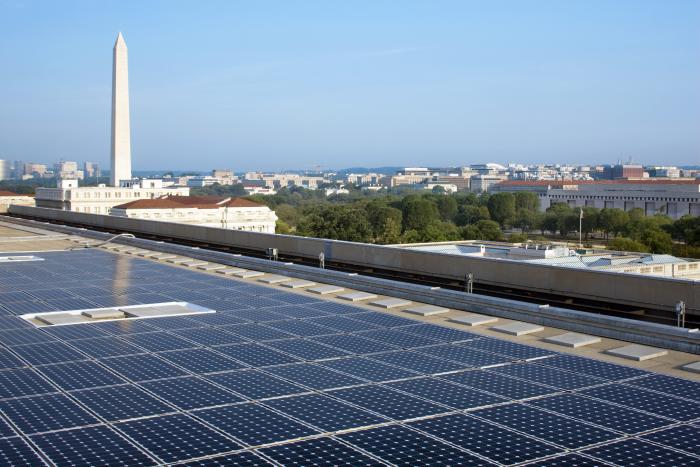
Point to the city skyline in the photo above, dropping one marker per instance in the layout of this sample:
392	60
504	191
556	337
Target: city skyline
422	86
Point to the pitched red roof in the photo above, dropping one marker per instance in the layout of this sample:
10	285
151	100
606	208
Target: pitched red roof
199	202
9	193
242	203
158	203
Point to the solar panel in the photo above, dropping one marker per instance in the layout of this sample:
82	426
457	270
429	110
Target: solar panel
313	376
16	451
97	445
45	413
320	451
442	392
498	444
634	452
498	384
254	424
387	402
201	361
177	438
399	445
255	384
368	370
48	352
464	355
417	362
549	376
124	402
190	392
256	355
80	375
683	437
142	367
647	401
567	460
324	413
601	413
547	426
127	392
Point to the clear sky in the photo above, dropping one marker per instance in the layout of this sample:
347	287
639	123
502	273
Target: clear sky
337	83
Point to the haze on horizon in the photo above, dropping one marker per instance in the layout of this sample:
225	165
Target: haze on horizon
277	84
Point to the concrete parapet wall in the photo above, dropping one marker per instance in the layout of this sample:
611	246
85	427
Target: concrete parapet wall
630	289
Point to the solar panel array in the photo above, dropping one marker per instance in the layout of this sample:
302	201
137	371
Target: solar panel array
285	378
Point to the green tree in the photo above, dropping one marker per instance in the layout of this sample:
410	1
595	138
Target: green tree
337	222
447	207
527	200
418	212
686	229
525	220
627	244
470	214
612	221
589	223
502	208
489	230
288	214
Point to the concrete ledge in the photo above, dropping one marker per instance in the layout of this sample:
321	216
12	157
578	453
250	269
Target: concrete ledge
179	260
572	339
326	289
161	256
194	263
298	284
692	367
357	296
229	271
274	279
211	267
389	303
426	310
637	352
248	274
517	329
473	319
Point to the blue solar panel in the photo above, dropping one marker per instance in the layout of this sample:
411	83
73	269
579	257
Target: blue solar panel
253	424
399	445
369	370
177	438
255	384
354	344
549	376
306	349
16	451
388	402
256	332
324	413
121	402
48	352
398	338
547	426
23	382
337	308
103	347
587	366
158	341
190	393
313	376
79	375
382	319
496	443
418	362
142	367
464	355
320	451
601	413
256	355
342	324
90	446
638	453
201	361
440	333
566	460
509	349
299	312
209	336
45	413
9	360
683	437
301	328
500	385
648	401
24	336
669	385
442	392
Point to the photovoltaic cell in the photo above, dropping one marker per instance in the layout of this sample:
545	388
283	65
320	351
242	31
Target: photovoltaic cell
306	349
190	393
683	437
400	446
256	332
354	344
45	413
103	347
142	367
668	384
158	341
464	355
16	452
22	382
547	426
313	376
301	328
398	338
388	402
209	336
9	360
342	324
509	349
442	392
498	444
253	424
369	370
320	451
647	401
549	376
201	361
239	459
567	460
80	375
177	437
124	402
324	413
587	366
417	362
440	333
634	452
255	384
97	445
498	384
256	355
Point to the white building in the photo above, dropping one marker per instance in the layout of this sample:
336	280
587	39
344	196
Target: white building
101	199
7	198
225	213
5	170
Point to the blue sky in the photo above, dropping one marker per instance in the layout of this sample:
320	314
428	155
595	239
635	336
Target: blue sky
295	84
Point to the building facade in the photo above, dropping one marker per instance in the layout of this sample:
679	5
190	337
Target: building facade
224	213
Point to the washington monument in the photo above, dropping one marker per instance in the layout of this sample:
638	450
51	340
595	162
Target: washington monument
121	133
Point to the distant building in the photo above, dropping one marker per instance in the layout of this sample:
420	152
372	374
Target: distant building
483	183
68	196
7	198
224	213
92	169
672	197
623	171
5	170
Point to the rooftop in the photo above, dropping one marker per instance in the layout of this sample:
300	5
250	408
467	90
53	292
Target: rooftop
200	202
284	375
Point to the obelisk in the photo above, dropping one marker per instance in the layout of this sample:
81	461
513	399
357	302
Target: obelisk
121	133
